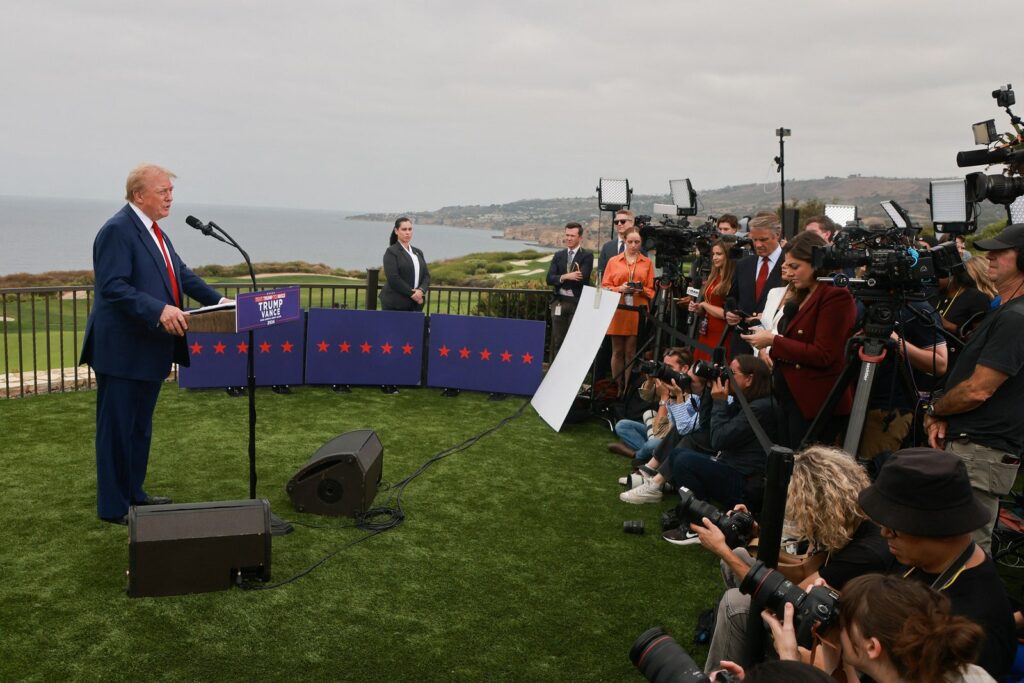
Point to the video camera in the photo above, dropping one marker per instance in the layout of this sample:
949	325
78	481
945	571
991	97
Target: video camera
664	373
1008	149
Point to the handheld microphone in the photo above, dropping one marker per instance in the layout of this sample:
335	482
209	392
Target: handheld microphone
199	225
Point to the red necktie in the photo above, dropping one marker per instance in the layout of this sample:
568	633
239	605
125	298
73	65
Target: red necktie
762	277
167	262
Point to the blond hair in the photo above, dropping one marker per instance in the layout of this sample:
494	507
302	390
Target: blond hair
137	178
978	270
822	503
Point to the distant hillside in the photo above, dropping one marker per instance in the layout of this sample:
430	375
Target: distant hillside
541	220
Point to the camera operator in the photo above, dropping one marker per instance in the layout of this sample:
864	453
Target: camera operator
728	224
758	273
807	357
895	631
923	502
735	475
822	225
635	442
978	416
965	298
821	508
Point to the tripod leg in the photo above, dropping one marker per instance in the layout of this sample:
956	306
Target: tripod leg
855	428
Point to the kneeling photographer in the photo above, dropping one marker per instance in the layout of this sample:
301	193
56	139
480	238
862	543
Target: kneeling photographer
821	509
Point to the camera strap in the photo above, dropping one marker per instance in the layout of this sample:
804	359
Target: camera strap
946	578
755	425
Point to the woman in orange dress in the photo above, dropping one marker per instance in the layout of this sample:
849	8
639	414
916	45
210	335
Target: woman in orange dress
711	308
631	274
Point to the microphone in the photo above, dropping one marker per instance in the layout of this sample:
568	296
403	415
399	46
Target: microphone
199	225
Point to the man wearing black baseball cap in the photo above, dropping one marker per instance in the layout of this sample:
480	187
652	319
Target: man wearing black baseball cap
978	417
926	508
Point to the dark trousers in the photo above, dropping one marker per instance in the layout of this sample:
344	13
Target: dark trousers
124	428
707	478
560	323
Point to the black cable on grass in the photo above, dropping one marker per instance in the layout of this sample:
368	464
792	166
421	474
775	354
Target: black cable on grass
386	517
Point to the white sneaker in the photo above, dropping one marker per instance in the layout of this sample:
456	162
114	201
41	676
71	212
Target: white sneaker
680	537
631	481
647	492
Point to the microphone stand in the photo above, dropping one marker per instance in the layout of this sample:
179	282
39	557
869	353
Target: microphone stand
278	526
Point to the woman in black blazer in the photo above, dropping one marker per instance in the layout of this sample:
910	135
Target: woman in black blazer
405	270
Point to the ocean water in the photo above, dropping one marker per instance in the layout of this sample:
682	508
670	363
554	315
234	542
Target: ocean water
41	234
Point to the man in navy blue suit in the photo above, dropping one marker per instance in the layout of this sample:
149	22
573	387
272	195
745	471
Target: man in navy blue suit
569	272
756	274
135	331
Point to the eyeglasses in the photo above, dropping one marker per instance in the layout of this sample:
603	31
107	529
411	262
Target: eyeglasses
622	221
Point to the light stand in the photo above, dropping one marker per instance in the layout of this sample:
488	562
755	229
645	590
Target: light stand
780	162
278	527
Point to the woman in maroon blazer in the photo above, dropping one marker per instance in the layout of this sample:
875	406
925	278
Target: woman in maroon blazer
808	353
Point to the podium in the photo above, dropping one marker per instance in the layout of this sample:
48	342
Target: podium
251	311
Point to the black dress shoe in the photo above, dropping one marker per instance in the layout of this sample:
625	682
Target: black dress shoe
154	500
122	520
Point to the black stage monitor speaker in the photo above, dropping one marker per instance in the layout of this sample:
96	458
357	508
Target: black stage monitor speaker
342	476
197	547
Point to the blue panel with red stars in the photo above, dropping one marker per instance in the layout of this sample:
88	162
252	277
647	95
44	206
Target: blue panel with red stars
485	354
364	347
219	360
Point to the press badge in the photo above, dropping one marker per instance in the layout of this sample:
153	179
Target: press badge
558	309
629	299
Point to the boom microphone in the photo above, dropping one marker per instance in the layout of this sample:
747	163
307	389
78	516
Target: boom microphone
199	225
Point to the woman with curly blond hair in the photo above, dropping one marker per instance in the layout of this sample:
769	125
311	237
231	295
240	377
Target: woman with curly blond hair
821	509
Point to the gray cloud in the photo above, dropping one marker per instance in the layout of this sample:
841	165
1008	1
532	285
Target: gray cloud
413	105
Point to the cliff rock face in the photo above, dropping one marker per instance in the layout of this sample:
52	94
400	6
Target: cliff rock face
551	236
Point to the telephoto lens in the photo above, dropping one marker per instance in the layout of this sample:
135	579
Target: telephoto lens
662	660
633	526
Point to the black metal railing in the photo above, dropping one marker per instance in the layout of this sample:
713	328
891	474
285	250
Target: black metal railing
41	328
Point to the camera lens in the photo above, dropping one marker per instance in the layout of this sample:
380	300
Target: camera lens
662	660
633	526
691	510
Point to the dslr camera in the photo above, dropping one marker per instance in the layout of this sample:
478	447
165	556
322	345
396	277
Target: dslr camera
737	527
663	372
814	612
709	371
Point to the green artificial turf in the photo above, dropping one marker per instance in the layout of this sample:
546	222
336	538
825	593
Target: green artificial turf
511	563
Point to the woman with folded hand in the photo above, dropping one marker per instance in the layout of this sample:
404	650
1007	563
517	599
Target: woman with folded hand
405	270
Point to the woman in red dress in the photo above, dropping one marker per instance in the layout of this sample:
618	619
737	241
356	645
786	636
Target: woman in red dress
632	275
711	308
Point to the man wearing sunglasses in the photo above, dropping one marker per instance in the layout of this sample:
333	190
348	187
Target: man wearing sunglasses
624	220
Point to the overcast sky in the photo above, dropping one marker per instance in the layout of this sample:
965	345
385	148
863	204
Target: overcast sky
403	106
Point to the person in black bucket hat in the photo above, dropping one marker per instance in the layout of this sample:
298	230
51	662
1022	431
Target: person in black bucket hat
978	417
923	501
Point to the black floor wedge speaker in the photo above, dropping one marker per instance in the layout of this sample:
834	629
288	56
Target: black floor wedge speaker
197	547
342	476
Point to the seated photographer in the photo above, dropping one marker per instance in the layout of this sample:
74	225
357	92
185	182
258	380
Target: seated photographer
808	352
895	631
926	508
821	508
637	441
727	477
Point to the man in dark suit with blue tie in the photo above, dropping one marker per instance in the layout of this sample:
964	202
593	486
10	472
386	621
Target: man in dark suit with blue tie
757	274
135	331
569	272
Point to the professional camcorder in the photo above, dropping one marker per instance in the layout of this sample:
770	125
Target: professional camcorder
664	373
738	527
662	660
814	611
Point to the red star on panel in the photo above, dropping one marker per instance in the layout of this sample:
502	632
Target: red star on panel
322	346
242	347
219	348
287	347
444	351
386	347
485	355
196	349
365	346
527	358
506	357
344	347
265	347
463	352
407	349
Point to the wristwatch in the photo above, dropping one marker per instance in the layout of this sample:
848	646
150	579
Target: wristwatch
930	410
